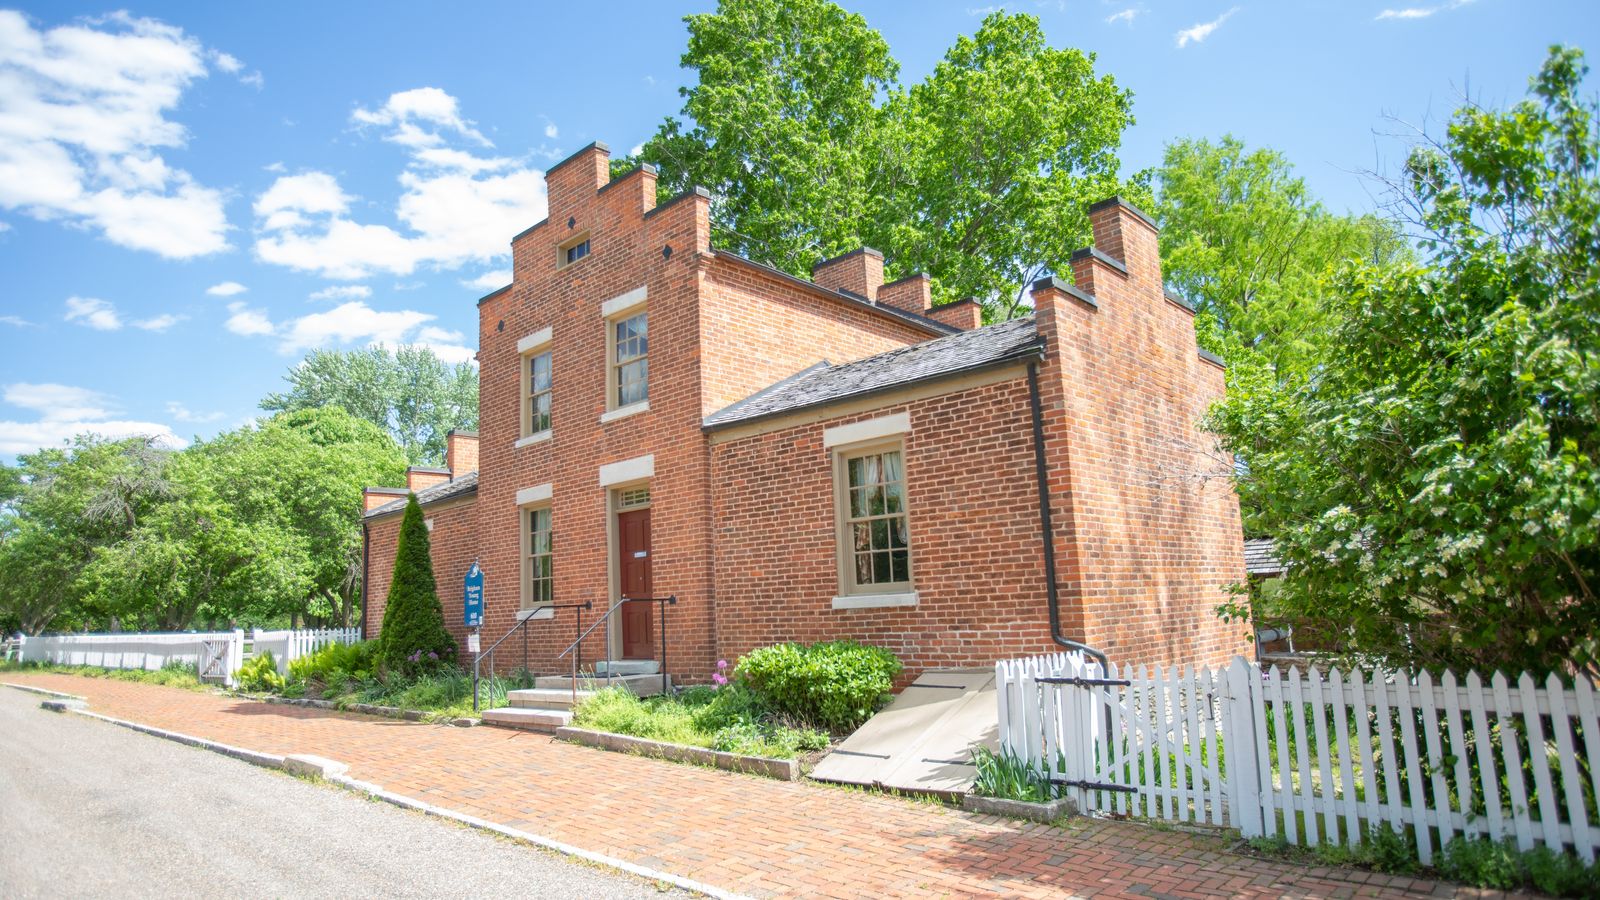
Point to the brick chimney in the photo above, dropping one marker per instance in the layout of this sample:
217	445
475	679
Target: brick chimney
860	272
1125	234
913	293
420	478
570	185
963	314
461	453
374	497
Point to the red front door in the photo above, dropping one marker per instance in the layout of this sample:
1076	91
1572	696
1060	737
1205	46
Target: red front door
633	569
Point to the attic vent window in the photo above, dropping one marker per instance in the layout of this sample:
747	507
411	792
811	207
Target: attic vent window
572	251
634	498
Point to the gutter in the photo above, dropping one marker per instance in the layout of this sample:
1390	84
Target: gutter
366	572
1047	529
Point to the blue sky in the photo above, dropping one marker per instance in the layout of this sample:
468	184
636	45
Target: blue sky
193	195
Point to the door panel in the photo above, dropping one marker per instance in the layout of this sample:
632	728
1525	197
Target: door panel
633	573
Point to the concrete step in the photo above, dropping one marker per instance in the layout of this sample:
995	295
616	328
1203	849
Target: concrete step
641	685
547	720
628	667
546	698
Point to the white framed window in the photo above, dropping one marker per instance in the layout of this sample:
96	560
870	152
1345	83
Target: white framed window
536	393
572	250
538	558
628	381
873	519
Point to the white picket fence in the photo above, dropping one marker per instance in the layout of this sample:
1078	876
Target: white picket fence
1317	759
217	655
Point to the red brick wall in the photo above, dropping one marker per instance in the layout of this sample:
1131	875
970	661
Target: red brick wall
976	550
452	545
1148	544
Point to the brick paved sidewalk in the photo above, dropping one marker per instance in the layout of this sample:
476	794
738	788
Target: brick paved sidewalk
738	832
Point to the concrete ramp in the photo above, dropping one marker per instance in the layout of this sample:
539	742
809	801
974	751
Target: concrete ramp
922	743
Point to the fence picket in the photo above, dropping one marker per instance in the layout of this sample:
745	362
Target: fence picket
1392	800
1561	724
1347	781
1589	722
1456	746
1117	742
1540	761
1325	795
1280	716
1189	686
1430	728
1488	778
1208	727
1408	742
1515	782
1302	743
1147	738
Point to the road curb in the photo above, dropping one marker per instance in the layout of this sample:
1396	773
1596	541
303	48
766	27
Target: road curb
333	773
39	690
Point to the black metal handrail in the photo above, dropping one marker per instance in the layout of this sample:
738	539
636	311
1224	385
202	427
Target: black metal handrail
670	600
520	626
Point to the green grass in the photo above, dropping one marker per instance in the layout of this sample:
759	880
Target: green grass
729	719
175	674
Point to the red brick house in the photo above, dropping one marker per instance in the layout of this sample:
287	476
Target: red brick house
834	458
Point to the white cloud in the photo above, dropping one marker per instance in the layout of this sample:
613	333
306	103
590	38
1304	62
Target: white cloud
159	323
227	62
276	168
1418	12
101	315
1127	15
636	149
64	412
455	206
551	131
1199	32
418	116
488	281
94	313
343	292
348	323
18	321
181	413
5	227
226	289
83	118
449	346
246	321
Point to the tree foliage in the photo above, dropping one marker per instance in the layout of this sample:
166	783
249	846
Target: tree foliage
978	174
414	636
1434	486
410	393
1245	242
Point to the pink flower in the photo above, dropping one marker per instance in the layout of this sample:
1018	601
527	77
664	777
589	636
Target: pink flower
722	664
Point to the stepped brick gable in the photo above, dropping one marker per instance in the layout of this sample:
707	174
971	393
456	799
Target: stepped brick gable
818	459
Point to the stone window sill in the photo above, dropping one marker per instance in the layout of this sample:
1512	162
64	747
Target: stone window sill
543	612
875	601
532	439
622	412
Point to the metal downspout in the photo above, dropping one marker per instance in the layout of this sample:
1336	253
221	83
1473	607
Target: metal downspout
1047	529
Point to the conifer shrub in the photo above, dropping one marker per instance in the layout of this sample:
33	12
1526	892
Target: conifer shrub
413	639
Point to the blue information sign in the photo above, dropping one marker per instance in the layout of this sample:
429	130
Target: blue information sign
472	597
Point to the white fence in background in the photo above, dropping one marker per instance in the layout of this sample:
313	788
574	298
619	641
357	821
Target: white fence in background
1317	759
291	645
217	655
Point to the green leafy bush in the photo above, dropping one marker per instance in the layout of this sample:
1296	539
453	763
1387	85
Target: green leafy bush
1486	864
260	674
835	685
331	669
1561	874
413	639
731	719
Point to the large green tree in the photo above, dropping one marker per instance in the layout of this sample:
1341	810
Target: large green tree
408	392
1435	486
413	637
978	174
1244	241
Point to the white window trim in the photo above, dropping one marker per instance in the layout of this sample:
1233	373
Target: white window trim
623	303
536	438
622	412
531	496
535	341
893	425
636	469
875	601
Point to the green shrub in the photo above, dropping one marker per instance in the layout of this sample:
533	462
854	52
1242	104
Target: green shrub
835	685
1485	864
1561	874
260	674
332	668
413	638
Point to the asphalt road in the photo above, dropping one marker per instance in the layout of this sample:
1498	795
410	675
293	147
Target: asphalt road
88	809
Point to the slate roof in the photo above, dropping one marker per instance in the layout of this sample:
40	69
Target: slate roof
1259	558
824	383
466	484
